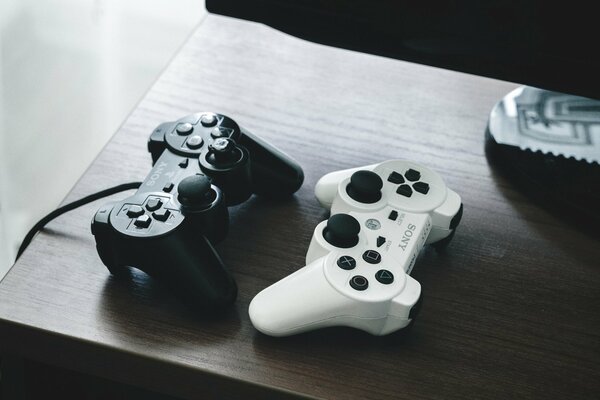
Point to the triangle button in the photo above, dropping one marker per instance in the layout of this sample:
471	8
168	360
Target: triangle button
384	276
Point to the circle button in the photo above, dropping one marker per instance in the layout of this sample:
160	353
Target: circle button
346	262
359	282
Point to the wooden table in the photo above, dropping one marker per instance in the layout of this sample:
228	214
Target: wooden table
511	309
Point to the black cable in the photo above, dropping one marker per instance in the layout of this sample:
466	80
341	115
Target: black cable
68	207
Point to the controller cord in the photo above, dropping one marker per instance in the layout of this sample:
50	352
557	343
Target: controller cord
71	206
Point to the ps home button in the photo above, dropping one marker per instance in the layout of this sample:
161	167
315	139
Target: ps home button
384	276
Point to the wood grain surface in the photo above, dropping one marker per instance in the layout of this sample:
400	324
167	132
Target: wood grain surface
511	309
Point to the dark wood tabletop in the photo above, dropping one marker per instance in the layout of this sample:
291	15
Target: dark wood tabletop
511	309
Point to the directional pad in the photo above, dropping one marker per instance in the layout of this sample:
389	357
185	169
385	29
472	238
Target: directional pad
412	175
153	204
421	187
161	215
396	178
404	190
143	221
135	211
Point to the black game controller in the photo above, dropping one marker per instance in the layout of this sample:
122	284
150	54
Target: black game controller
168	226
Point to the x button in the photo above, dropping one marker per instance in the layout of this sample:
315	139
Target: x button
346	262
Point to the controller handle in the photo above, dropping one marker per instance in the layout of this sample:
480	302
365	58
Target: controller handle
327	187
188	264
274	173
195	273
303	301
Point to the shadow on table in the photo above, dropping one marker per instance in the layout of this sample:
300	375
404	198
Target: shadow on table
140	307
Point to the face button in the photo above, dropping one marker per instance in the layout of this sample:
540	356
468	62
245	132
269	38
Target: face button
404	190
194	142
153	204
393	215
342	231
396	178
359	282
208	120
346	262
380	241
135	211
372	257
412	175
184	129
365	187
168	187
161	215
195	191
184	163
421	187
142	221
384	276
220	132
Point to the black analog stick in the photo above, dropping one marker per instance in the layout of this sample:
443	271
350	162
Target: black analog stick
365	187
195	191
223	151
342	231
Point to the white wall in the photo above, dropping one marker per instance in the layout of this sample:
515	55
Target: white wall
70	72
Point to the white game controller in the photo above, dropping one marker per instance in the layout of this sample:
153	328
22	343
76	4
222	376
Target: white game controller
359	261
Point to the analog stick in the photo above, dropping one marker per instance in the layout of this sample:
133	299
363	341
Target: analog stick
342	231
195	191
222	152
365	187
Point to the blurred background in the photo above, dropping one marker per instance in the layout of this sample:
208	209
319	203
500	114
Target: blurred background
70	73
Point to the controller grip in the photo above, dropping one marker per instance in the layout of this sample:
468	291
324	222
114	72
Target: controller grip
303	301
274	173
326	188
188	264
